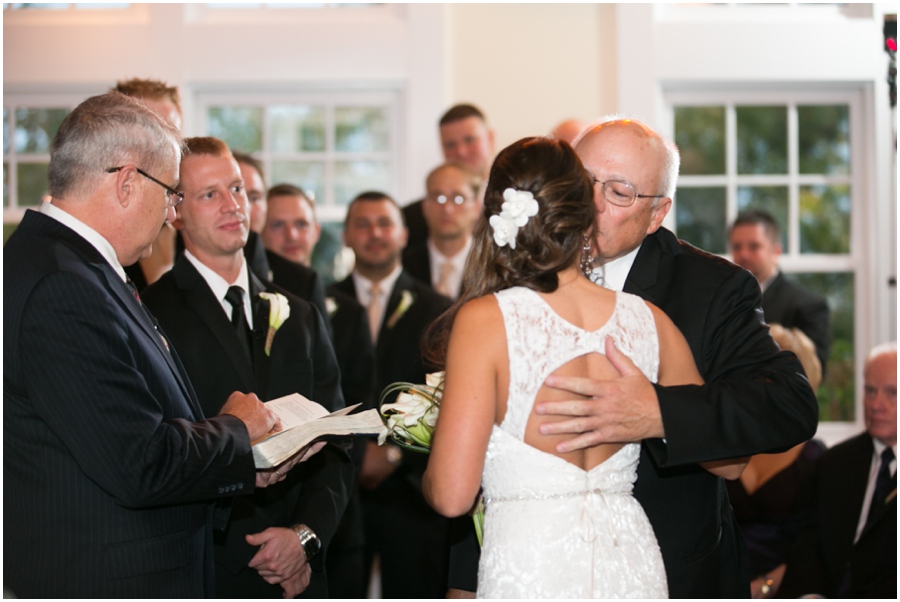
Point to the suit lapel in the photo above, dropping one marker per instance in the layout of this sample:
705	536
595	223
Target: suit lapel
645	270
262	363
391	313
200	298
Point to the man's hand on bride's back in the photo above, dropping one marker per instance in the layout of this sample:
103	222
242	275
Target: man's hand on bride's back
619	410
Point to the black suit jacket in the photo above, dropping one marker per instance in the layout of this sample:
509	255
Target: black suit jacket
107	472
302	361
397	508
756	400
825	554
417	262
789	304
415	222
299	280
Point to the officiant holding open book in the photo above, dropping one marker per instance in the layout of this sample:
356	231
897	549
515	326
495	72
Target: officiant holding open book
218	314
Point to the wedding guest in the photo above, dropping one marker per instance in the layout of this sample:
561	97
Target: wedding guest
109	465
409	538
755	241
164	100
263	261
291	228
255	187
755	398
567	130
466	139
451	207
220	316
850	550
290	235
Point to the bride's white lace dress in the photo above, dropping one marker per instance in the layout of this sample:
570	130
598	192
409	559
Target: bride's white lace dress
553	530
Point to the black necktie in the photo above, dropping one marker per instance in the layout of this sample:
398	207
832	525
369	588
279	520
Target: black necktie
883	483
235	296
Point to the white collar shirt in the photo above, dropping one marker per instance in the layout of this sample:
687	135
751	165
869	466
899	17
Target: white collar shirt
93	237
613	274
874	467
220	286
458	261
363	285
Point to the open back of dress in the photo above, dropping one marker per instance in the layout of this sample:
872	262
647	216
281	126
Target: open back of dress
552	529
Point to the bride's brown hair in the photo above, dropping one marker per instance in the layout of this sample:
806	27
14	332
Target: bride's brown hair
548	243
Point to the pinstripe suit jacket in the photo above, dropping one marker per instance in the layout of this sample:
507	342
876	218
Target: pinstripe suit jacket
108	466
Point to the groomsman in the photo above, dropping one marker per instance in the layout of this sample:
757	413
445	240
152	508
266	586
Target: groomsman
850	551
409	538
451	207
109	466
221	317
467	140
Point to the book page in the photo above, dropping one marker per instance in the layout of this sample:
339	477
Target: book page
294	409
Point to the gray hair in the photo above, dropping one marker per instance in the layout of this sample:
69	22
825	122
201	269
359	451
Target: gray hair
668	179
107	131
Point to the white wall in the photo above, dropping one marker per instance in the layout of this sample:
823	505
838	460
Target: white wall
529	66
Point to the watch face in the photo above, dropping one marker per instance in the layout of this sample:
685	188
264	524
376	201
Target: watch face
313	546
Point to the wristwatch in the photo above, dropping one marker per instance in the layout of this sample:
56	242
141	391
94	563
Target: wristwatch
394	455
766	588
311	543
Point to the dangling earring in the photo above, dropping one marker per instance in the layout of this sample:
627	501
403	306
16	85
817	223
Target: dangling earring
587	260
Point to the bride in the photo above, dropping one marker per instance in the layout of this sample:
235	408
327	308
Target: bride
556	525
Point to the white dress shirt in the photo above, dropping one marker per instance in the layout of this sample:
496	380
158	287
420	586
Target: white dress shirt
386	284
220	286
89	234
613	274
458	261
874	466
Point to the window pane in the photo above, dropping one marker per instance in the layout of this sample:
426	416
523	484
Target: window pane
32	185
824	139
239	127
5	185
700	136
354	177
762	140
8	229
361	129
5	130
308	175
771	199
329	258
825	219
35	129
296	128
837	391
700	217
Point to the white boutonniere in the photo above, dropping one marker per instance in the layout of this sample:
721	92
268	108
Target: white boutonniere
330	305
517	207
279	310
406	301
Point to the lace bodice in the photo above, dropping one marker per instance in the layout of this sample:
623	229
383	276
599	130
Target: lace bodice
553	529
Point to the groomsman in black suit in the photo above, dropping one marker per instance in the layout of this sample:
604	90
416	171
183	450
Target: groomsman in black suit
850	551
409	538
109	467
270	265
290	235
451	207
756	398
222	319
755	241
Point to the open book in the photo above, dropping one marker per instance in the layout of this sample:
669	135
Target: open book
303	421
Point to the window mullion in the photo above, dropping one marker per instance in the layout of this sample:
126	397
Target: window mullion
731	210
793	182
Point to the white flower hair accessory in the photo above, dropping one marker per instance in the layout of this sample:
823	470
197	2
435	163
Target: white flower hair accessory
518	206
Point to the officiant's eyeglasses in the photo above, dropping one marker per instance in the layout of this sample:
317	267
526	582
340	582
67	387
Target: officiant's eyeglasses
621	193
173	197
442	199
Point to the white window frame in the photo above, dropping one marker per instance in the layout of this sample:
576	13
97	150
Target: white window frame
861	195
327	209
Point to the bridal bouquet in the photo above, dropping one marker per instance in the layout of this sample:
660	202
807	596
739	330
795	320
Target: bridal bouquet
409	422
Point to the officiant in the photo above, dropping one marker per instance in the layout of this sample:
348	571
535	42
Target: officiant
220	316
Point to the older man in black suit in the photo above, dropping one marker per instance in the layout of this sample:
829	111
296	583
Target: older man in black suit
220	316
850	551
756	398
400	308
109	467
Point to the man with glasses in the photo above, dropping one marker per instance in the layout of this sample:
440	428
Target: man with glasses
220	316
451	207
109	467
755	400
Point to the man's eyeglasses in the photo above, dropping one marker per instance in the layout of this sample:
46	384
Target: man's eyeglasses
443	199
173	197
621	193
